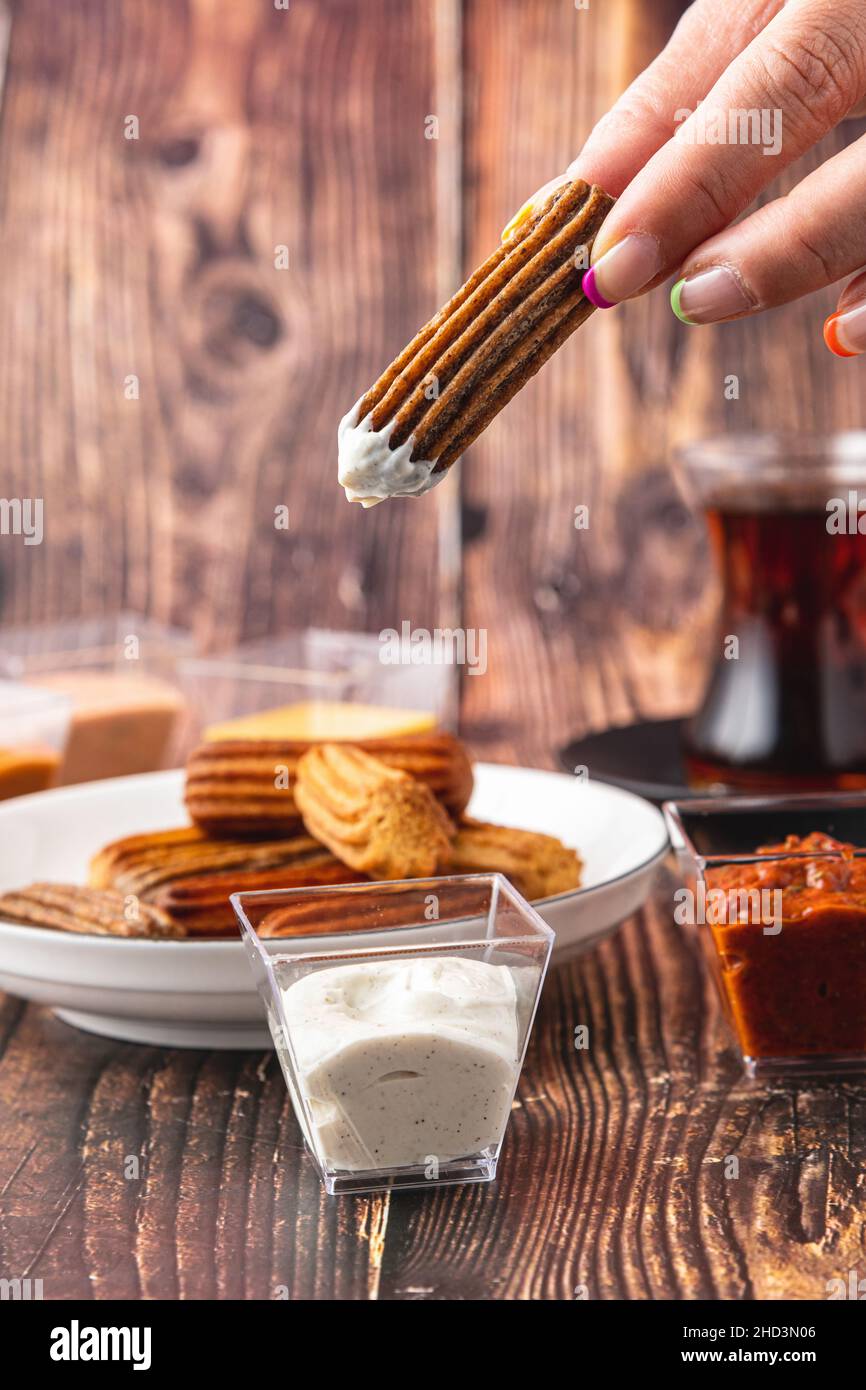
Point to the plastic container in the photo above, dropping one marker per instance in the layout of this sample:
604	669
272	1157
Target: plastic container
33	730
784	929
401	1017
316	669
120	675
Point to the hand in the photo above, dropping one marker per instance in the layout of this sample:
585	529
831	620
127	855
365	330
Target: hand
764	81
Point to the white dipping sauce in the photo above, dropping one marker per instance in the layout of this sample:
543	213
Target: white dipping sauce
371	471
404	1061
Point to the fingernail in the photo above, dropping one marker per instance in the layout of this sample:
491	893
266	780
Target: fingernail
516	221
623	270
709	296
531	204
845	332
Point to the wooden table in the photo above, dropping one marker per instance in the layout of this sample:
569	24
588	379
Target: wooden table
615	1179
168	383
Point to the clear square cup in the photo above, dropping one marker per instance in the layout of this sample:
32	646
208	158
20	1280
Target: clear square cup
401	1014
314	670
784	929
34	725
120	675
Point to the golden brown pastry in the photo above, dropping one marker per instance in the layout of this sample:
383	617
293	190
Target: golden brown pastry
246	788
202	907
98	912
189	876
475	354
538	865
141	863
390	907
375	818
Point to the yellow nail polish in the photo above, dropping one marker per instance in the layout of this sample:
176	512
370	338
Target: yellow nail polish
537	201
517	220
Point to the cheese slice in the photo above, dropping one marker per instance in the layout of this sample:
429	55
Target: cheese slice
325	721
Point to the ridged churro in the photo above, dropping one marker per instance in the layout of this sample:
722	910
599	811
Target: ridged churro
538	865
190	877
463	366
87	911
377	819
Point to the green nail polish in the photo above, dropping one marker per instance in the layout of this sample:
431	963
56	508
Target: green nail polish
676	294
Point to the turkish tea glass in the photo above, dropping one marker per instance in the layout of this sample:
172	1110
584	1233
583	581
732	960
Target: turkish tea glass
785	707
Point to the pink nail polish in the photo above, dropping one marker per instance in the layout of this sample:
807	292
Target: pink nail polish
590	289
623	270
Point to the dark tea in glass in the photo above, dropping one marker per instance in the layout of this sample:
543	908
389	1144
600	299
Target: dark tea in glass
786	703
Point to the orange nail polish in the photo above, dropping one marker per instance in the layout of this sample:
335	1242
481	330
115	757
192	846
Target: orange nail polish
831	337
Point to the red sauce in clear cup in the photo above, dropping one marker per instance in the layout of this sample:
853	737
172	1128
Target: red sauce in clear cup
799	988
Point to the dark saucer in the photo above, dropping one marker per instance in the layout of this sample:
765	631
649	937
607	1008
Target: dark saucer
643	758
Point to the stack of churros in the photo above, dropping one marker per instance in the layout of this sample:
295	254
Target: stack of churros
296	815
245	789
386	808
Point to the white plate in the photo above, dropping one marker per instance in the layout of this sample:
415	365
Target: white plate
200	994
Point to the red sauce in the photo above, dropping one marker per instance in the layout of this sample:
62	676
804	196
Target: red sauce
799	990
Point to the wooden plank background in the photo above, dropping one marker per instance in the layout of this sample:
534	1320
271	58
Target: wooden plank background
154	257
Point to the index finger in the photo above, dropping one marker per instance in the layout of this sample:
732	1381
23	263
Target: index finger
646	115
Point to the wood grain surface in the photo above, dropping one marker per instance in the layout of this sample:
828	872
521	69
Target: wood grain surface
132	1172
261	133
640	1167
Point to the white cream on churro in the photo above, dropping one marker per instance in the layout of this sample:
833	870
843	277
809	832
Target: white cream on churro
371	471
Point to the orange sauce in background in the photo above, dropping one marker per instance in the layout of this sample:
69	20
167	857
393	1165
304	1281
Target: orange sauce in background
27	769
